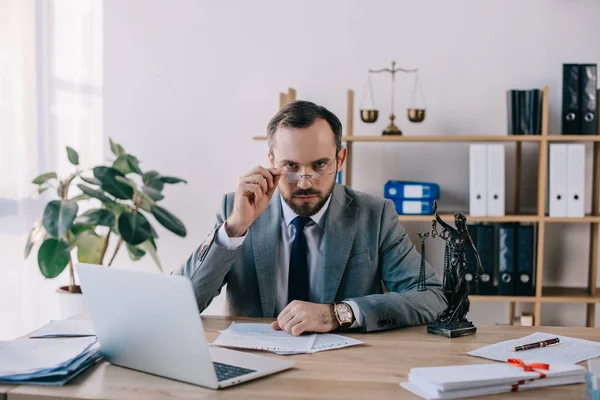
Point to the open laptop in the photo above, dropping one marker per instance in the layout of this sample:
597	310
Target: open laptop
150	322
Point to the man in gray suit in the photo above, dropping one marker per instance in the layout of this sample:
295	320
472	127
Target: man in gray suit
319	256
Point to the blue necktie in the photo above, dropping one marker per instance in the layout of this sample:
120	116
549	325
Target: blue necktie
298	273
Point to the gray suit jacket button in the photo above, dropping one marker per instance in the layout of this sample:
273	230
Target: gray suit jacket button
382	323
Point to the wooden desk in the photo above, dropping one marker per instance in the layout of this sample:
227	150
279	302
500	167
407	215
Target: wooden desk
370	371
4	390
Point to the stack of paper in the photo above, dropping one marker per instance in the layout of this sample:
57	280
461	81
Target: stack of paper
72	327
46	361
453	382
263	337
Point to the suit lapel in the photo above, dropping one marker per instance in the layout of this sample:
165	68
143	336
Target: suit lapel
340	230
266	240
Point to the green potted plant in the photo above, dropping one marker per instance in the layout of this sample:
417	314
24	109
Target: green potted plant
123	199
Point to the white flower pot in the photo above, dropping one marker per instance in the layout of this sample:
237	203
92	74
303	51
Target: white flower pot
70	304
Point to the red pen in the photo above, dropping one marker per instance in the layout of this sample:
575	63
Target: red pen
536	345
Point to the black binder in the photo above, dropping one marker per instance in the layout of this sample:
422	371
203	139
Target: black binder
506	259
486	248
571	119
471	260
525	260
536	112
525	112
512	108
588	90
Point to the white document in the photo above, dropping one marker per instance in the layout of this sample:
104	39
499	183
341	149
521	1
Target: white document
424	393
495	180
575	180
557	187
478	180
263	337
65	328
568	351
26	356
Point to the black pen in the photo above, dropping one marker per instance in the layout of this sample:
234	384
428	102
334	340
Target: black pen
537	345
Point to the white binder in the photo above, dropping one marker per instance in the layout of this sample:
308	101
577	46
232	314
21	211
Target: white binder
477	180
557	187
575	180
495	180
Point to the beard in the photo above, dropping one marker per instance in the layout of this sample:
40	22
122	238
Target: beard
307	210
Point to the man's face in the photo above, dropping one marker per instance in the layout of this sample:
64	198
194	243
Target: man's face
304	153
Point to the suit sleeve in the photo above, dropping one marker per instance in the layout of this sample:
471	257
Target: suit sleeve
400	265
208	266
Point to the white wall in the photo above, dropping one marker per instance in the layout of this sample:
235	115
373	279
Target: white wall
187	83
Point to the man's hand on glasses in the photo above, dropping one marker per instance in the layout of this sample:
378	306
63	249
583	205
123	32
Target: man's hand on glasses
253	193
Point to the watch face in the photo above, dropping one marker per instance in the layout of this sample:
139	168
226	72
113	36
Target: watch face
344	312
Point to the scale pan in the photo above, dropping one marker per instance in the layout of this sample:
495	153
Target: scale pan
416	114
369	116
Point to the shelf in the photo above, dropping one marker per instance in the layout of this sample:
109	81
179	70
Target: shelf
450	218
573	138
500	299
587	218
568	295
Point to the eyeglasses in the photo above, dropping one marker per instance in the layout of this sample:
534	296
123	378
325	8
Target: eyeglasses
319	171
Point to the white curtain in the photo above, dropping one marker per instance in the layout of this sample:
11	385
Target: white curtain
50	98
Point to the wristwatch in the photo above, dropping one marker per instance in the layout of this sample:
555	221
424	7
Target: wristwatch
344	314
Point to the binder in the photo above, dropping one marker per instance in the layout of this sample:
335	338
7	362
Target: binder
495	180
575	180
536	113
506	259
571	119
558	180
413	207
512	111
525	260
471	260
485	239
525	112
588	99
394	189
477	180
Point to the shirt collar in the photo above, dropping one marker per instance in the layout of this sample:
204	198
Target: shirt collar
318	218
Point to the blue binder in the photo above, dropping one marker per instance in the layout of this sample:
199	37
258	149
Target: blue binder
411	190
413	207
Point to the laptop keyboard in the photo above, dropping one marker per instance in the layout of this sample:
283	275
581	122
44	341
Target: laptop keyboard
225	371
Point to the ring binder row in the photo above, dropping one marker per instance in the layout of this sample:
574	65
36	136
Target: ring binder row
524	109
486	180
566	188
579	101
507	252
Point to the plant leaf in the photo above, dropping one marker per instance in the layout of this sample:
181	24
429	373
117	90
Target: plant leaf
37	234
169	221
53	257
95	194
134	228
73	156
76	228
97	217
152	179
153	193
89	247
171	179
42	189
116	149
153	234
58	216
44	177
81	197
126	164
91	181
135	253
107	175
126	181
149	248
146	203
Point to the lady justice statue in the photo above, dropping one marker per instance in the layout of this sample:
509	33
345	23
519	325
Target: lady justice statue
452	322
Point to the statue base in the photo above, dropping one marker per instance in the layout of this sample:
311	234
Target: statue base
454	330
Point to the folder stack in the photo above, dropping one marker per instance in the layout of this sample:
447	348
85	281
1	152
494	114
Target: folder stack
412	198
46	361
458	381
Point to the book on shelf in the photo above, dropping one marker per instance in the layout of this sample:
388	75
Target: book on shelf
524	112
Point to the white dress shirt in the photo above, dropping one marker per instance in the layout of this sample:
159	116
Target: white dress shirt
313	232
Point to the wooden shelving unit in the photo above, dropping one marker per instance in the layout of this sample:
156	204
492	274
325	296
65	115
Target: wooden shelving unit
589	295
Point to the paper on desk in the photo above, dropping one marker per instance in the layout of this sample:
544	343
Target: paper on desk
65	328
568	351
238	335
24	356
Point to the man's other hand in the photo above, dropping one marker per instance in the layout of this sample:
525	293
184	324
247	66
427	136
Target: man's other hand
299	317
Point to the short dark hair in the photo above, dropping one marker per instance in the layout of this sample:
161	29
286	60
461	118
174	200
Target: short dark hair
302	114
